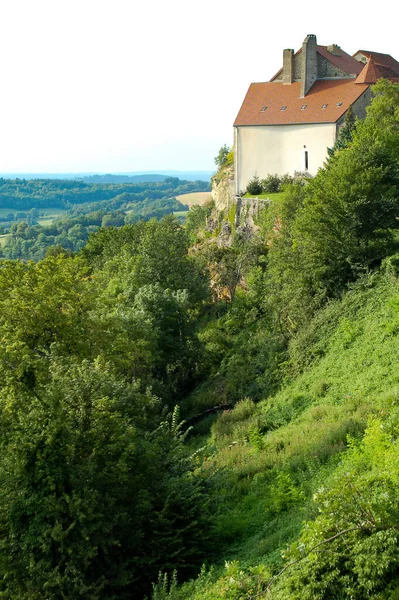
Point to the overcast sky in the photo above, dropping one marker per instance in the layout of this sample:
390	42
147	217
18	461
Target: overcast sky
127	85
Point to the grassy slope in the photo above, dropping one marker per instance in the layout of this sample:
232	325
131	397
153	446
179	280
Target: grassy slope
269	459
268	196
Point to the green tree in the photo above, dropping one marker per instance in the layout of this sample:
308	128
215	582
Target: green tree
96	497
222	158
345	134
254	186
349	213
344	222
382	122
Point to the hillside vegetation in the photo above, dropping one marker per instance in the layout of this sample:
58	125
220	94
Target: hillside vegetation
82	207
304	463
187	415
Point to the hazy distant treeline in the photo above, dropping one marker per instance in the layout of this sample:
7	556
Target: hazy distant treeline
22	194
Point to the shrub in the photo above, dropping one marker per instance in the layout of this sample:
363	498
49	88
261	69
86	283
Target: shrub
254	186
271	183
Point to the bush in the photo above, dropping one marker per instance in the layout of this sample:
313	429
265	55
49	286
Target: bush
271	184
254	186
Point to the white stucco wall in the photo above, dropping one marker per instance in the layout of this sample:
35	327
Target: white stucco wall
271	149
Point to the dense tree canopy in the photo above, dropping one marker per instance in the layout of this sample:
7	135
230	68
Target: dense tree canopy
274	344
98	491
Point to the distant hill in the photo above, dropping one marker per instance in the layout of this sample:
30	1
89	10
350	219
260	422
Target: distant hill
151	177
125	177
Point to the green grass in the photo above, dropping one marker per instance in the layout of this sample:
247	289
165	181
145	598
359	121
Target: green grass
52	212
48	214
267	460
44	221
269	196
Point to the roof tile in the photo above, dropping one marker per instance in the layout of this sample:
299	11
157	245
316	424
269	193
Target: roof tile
370	73
388	66
274	95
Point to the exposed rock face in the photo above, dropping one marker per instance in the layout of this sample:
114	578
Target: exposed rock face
247	211
211	225
240	214
223	189
225	238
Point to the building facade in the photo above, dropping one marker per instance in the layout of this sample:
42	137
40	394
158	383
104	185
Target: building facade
285	125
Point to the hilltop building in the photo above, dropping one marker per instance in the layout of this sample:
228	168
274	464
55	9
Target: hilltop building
286	124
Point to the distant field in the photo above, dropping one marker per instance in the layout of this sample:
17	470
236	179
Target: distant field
49	214
3	239
194	198
181	214
5	211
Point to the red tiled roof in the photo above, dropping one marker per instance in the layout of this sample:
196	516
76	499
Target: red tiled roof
370	73
343	61
388	66
274	95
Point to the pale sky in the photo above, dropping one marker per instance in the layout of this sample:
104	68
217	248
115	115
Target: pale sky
95	85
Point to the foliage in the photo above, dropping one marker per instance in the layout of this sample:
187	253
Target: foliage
271	183
98	489
276	183
119	204
92	499
196	220
225	157
345	134
254	186
272	457
351	548
25	194
347	221
324	235
281	348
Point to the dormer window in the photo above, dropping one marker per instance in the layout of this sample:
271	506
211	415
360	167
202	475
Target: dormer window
303	106
283	107
339	103
324	106
263	108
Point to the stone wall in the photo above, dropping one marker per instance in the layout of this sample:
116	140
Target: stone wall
358	107
239	214
325	68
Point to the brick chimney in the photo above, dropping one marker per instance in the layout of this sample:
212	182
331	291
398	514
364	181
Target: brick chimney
288	66
309	64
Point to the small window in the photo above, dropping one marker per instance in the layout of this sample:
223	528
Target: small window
283	108
306	160
339	103
263	108
324	106
303	106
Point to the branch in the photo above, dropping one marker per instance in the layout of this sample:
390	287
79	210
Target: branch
294	562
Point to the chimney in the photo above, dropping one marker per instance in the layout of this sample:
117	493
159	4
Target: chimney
288	66
334	49
309	64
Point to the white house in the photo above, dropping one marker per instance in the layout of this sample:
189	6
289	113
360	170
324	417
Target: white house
285	125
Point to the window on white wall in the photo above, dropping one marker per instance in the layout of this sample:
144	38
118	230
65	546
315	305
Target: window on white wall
305	164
